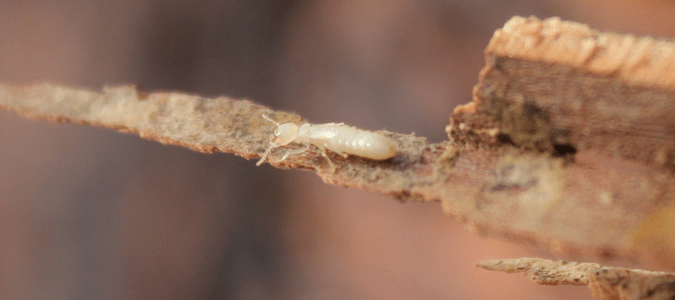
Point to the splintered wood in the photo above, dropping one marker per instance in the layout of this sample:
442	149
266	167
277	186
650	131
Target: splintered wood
569	143
543	271
201	124
561	87
601	102
607	283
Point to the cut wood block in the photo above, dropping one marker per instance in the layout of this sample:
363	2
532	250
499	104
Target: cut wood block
604	104
561	87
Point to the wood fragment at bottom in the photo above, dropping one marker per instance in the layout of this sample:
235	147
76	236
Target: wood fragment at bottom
543	271
608	283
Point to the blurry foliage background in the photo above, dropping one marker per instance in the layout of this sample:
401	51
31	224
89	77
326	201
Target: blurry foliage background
87	213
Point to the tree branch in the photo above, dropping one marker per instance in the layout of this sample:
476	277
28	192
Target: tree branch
563	149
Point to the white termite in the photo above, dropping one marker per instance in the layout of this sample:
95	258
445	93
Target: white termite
336	137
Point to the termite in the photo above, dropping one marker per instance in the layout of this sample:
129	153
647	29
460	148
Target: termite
337	137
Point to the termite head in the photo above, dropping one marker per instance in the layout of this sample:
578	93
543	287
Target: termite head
285	134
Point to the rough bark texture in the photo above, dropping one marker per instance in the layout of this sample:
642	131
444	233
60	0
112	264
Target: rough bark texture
605	283
601	102
569	149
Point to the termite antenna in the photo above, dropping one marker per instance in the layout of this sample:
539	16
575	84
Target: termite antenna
272	144
264	116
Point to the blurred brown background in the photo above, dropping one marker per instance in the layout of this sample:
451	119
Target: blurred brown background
87	213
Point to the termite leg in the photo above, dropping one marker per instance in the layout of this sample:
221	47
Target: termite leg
272	145
264	156
323	153
294	152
